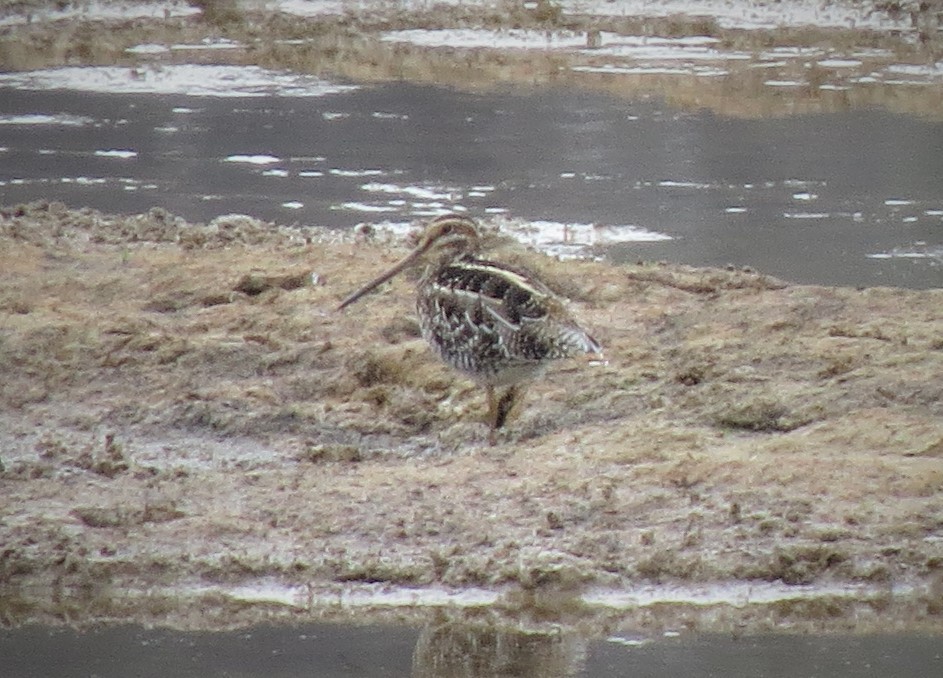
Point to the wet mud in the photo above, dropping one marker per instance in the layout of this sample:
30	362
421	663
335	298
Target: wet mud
188	424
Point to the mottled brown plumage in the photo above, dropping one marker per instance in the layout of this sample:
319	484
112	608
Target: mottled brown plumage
496	323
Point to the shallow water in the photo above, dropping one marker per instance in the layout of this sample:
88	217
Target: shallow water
851	198
456	650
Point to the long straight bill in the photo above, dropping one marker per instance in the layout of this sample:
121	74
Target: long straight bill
373	284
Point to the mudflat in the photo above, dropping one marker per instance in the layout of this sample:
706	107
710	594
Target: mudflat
183	407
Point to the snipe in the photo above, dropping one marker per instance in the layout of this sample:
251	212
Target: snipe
496	323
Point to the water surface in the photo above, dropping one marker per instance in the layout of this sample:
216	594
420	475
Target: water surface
853	198
326	650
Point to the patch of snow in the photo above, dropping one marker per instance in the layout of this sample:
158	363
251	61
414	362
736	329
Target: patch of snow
148	48
387	596
263	592
905	82
741	14
83	181
468	38
806	215
381	115
187	79
905	74
313	8
640	47
873	53
839	63
546	235
927	70
209	44
934	254
737	594
612	69
628	642
669	183
253	159
398	229
573	240
309	8
103	10
748	14
784	83
356	173
364	207
418	192
116	153
791	52
63	120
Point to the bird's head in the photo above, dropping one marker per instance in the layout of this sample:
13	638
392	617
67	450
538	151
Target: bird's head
446	237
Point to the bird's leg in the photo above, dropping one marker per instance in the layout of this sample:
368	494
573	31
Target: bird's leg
500	408
492	416
504	406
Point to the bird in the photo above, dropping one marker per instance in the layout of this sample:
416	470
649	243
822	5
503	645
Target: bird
498	324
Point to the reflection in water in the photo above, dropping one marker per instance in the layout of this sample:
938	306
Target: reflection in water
464	650
456	648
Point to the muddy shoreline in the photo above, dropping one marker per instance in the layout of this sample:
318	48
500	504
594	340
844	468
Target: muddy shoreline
813	69
182	406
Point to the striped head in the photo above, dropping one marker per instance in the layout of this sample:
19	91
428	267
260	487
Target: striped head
446	237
